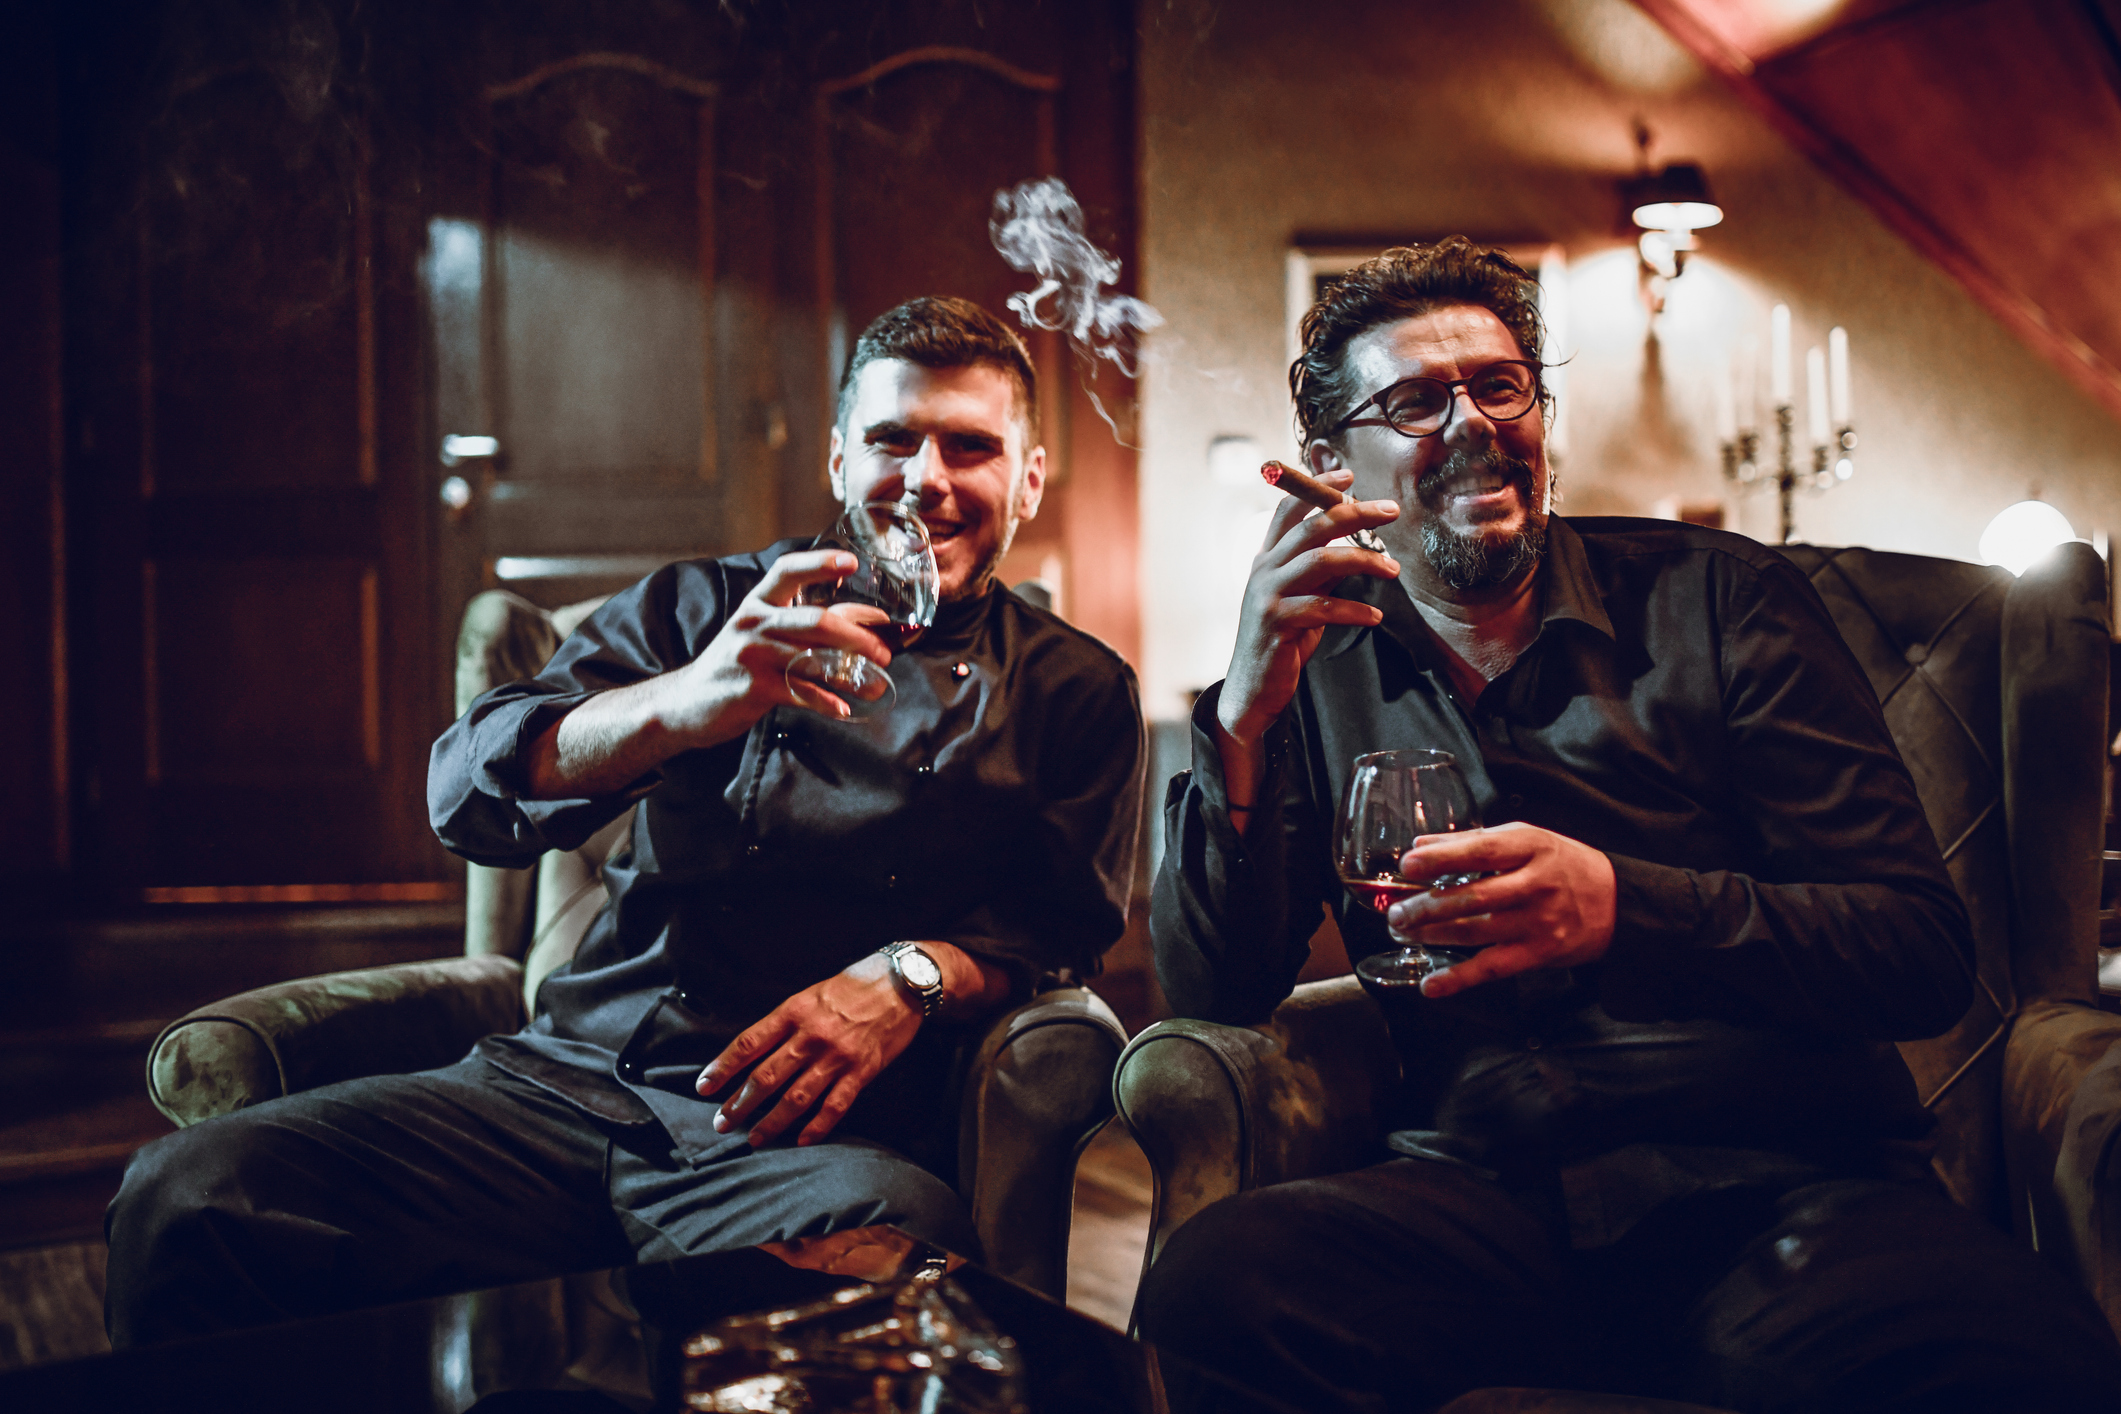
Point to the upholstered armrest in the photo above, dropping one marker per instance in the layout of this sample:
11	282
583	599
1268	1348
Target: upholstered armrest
2088	1182
1038	1089
296	1036
2072	1082
1219	1109
2052	1045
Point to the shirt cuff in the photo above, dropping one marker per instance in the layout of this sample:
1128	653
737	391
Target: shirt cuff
1208	772
1024	974
510	771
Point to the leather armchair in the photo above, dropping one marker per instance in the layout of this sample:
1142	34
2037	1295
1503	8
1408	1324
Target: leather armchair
1996	692
1034	1094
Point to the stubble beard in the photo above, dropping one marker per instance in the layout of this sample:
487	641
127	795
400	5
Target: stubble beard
1470	561
983	574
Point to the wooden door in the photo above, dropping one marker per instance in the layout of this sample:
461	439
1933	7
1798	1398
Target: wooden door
580	361
243	514
913	139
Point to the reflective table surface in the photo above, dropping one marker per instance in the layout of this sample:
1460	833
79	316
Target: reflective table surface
869	1320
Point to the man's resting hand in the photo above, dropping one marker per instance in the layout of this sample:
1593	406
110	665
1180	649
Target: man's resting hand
818	1049
1550	903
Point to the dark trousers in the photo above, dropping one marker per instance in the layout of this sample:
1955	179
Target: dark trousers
1401	1286
405	1186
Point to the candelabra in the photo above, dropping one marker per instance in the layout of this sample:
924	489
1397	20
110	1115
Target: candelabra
1741	464
1832	429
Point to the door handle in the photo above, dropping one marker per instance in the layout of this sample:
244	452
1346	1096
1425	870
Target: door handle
457	448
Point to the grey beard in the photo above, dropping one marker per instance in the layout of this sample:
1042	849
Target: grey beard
1472	562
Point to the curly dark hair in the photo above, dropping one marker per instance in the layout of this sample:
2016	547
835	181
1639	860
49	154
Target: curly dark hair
1403	282
942	331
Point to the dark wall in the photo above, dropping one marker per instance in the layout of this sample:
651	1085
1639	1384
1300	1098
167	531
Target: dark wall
33	815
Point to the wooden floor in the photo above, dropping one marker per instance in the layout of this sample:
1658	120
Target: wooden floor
51	1304
1111	1227
51	1298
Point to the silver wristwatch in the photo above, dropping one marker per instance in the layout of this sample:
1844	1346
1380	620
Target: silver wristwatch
917	973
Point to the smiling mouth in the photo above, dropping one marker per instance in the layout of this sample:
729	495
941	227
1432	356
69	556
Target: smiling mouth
1475	483
1465	488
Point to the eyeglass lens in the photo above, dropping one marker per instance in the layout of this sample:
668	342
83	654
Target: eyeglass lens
1422	405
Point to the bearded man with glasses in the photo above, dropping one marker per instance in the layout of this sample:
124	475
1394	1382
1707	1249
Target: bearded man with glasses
1657	1139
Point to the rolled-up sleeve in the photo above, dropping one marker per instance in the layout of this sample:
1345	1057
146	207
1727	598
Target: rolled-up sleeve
477	772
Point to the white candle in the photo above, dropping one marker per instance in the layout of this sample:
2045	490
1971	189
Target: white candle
1815	393
1749	383
1779	356
1727	404
1837	363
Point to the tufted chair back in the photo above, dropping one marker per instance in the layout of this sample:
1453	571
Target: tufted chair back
536	916
1995	691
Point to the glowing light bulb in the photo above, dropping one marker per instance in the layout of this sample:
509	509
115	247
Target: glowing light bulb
2022	533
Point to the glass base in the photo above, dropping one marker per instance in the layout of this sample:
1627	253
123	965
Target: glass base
1404	970
862	685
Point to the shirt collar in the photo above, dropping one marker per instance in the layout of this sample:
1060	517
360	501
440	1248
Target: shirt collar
1567	588
957	622
1572	592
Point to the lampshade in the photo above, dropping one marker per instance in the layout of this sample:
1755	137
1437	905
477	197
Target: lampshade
2022	533
1674	199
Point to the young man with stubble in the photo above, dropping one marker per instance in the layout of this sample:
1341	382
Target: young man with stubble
755	1040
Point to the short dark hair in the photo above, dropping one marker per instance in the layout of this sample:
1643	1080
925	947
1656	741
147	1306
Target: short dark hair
1399	284
942	331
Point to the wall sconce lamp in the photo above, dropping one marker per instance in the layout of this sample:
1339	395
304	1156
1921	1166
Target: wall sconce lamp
1667	206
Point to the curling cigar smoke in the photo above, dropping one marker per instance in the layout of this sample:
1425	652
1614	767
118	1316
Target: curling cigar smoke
1038	228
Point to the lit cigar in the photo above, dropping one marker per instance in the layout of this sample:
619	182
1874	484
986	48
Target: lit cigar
1313	492
1301	484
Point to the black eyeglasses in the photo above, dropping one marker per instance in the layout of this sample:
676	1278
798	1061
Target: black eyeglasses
1422	407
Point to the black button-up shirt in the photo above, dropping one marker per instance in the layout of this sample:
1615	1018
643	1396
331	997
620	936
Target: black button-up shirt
995	806
1688	708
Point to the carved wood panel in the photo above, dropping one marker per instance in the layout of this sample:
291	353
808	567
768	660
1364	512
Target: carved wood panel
909	154
575	321
603	225
258	309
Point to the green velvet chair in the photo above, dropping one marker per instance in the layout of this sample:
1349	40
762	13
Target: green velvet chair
1034	1093
1996	692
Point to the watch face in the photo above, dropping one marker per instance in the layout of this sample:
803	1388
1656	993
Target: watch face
919	969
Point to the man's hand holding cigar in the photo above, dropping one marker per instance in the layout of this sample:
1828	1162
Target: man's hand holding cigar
1302	485
1287	608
